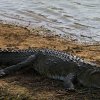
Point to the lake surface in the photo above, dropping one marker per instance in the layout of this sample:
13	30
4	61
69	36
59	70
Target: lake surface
77	19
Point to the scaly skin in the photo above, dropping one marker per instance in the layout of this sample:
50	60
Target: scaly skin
53	64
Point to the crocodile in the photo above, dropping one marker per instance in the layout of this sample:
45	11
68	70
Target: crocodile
53	64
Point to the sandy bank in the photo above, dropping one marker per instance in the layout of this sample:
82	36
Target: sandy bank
25	86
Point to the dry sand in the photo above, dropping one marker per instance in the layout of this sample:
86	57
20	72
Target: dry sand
25	85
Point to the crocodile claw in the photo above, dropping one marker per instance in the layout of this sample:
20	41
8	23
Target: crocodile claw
2	73
70	90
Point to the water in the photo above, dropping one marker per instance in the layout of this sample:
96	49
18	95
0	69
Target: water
77	19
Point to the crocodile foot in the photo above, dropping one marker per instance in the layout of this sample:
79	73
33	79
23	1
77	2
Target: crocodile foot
2	73
68	82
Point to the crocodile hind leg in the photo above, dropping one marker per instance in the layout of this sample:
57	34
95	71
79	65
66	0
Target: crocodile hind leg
68	82
12	69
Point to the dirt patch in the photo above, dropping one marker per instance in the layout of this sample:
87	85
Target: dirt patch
25	85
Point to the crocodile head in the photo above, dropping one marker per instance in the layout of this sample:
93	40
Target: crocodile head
89	76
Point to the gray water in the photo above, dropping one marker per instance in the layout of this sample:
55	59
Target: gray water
76	19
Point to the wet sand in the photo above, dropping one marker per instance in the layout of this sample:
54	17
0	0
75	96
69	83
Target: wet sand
25	85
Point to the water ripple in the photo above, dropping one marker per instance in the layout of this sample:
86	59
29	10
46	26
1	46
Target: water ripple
77	19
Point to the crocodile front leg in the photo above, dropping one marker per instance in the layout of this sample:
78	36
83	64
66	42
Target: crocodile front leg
68	82
12	69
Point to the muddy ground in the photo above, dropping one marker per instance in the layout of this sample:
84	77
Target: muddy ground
25	85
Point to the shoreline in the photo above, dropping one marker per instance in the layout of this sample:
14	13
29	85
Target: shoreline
41	30
22	85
